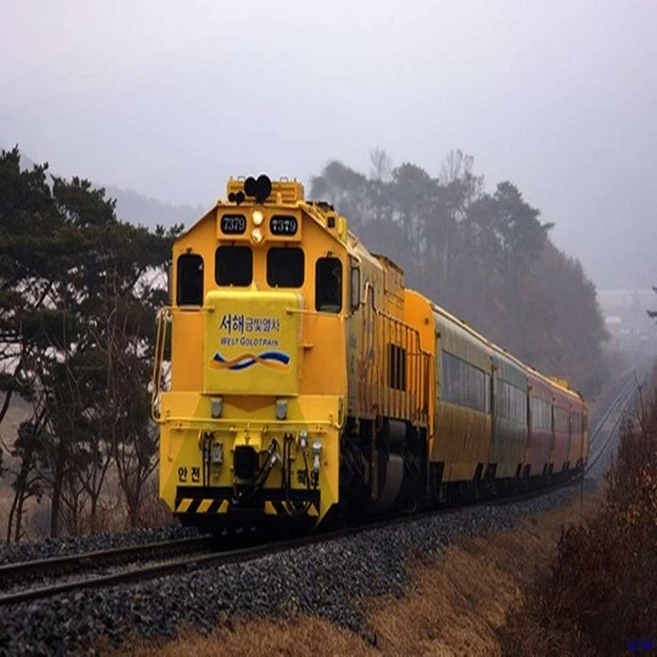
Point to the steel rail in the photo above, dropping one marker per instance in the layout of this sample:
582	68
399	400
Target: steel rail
610	410
82	561
620	408
192	563
620	403
180	566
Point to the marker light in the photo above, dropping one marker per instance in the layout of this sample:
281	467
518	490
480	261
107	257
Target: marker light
317	455
256	236
257	217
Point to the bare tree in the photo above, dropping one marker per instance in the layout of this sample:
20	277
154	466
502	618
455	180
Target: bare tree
455	166
381	165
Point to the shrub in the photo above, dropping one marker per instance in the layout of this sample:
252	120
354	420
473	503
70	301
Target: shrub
600	594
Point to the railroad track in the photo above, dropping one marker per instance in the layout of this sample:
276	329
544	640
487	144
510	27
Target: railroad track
142	572
13	575
204	553
607	426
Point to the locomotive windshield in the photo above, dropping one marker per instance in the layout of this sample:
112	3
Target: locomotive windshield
285	267
233	265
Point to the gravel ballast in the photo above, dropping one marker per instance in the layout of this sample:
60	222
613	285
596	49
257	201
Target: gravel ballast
54	547
324	579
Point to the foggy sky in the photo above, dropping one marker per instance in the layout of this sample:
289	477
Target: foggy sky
170	98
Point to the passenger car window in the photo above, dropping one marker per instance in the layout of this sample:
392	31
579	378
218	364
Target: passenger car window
285	267
190	280
561	420
233	265
465	384
328	285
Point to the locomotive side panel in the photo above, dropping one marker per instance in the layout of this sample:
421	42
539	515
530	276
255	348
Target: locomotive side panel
364	357
419	314
192	278
388	366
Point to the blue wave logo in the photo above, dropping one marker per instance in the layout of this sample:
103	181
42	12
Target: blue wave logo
272	359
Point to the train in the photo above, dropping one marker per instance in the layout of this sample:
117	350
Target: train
298	380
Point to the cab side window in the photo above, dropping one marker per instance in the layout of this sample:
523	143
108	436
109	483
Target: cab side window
328	285
190	280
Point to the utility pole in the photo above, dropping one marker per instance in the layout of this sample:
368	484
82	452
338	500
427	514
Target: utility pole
652	313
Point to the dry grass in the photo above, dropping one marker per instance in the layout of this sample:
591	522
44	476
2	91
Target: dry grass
456	606
294	637
111	515
600	593
461	601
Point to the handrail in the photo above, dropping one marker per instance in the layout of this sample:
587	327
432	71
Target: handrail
410	401
392	318
163	322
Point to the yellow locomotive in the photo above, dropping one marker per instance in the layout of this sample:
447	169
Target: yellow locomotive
306	380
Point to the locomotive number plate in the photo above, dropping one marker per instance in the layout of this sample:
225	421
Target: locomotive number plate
282	225
233	224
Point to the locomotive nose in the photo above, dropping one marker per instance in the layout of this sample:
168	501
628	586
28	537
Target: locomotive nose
252	341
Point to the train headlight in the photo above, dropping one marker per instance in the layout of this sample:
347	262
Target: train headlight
303	439
256	236
317	455
257	217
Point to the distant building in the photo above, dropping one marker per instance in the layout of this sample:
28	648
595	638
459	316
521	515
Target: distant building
614	326
626	320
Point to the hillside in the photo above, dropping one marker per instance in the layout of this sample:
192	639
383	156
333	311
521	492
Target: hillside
484	255
137	208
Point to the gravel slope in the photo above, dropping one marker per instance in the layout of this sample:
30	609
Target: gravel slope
326	580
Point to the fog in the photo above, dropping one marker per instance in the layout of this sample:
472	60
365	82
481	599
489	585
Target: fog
170	98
